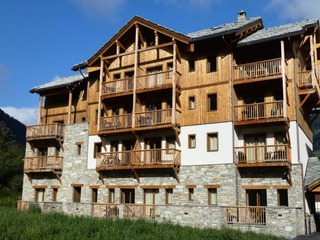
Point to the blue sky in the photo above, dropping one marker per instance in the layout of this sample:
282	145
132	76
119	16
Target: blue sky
41	40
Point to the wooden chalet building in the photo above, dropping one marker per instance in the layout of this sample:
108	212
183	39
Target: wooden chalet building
208	129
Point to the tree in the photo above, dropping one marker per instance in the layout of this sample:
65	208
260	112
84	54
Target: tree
11	160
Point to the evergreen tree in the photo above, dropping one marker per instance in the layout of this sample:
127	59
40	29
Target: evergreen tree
11	160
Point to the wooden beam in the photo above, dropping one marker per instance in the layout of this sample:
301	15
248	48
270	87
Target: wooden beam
120	45
304	100
304	41
284	83
136	175
40	110
69	107
100	92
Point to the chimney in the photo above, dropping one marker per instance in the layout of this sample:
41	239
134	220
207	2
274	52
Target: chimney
242	15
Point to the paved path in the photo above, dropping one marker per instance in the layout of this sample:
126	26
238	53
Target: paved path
314	236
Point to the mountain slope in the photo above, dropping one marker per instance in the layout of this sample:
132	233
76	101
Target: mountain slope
17	128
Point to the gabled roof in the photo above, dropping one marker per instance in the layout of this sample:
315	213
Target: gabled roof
312	173
59	83
278	32
128	25
228	28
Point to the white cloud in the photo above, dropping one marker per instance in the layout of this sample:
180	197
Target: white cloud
100	8
28	116
295	9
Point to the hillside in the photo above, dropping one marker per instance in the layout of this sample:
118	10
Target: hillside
17	128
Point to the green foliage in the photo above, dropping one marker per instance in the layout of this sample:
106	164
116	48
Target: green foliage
33	225
11	161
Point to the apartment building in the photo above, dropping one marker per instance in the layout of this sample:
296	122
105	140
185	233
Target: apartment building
207	129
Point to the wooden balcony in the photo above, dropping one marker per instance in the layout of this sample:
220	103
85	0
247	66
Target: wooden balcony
139	159
134	160
305	79
146	82
43	164
256	71
262	156
143	120
246	215
53	131
259	113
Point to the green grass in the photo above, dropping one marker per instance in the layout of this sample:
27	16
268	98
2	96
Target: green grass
34	225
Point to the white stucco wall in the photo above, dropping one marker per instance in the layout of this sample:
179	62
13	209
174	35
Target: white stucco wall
91	164
200	155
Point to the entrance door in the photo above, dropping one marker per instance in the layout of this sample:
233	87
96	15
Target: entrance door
153	153
256	198
151	198
127	195
255	148
127	147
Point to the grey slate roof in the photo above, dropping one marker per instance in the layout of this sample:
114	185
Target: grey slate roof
313	171
60	82
227	28
287	30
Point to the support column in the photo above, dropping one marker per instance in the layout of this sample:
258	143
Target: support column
284	83
100	88
174	85
40	110
69	107
134	100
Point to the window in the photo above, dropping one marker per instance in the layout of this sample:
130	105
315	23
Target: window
151	196
211	64
192	102
39	196
127	195
94	192
256	197
212	142
212	102
192	141
282	197
191	194
54	194
97	149
111	195
169	196
191	65
212	196
78	148
317	201
76	194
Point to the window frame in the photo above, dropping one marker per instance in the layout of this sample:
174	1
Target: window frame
191	194
169	196
97	149
208	142
191	65
190	146
112	196
212	106
212	64
76	194
282	196
192	104
214	191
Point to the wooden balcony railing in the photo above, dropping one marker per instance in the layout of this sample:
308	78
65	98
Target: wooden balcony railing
131	211
146	81
257	111
143	119
155	117
246	215
155	158
262	69
52	130
155	80
140	211
305	79
266	154
43	163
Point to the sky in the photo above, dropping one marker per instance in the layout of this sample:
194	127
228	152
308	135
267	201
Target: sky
41	40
